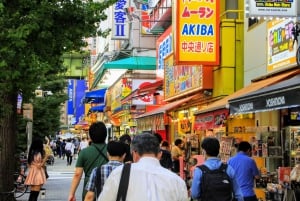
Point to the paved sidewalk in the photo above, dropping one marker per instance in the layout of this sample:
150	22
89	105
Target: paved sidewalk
59	181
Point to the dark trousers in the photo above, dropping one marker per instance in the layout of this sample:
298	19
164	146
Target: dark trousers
69	158
250	198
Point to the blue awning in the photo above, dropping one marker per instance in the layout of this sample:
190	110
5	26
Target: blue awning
98	108
96	96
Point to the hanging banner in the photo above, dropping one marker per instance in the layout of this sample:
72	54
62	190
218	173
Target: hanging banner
70	110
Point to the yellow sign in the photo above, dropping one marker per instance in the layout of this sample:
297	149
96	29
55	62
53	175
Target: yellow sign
197	32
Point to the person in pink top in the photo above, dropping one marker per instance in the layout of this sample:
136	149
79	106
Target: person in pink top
36	176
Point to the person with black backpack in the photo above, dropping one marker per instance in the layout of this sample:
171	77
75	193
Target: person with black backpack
214	180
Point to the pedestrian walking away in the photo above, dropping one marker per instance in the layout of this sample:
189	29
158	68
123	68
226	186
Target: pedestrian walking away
36	176
89	158
245	169
205	177
69	151
116	152
147	179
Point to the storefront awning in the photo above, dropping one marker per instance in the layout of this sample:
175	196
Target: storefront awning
133	63
223	103
119	67
98	108
285	94
147	89
115	121
96	96
167	107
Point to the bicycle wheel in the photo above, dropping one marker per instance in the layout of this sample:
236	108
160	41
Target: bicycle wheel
298	56
20	187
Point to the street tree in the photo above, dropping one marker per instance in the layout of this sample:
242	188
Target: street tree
34	35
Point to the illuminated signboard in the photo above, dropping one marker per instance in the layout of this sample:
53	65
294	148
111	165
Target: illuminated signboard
281	47
274	8
197	32
164	46
120	27
181	78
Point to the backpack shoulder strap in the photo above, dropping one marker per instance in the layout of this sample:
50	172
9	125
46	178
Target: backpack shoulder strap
204	168
223	167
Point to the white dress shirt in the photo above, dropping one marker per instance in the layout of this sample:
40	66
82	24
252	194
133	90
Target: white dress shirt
148	181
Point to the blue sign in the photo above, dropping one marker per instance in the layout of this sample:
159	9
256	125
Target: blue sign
79	95
70	109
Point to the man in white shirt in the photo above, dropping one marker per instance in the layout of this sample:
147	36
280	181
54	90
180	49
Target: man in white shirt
83	144
148	180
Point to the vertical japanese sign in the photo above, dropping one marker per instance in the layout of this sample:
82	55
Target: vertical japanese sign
70	97
281	46
120	26
197	32
145	19
164	46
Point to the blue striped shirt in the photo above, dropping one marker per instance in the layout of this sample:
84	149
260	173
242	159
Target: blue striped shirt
106	169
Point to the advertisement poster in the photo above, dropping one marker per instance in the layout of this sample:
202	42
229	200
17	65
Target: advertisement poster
181	78
280	44
70	104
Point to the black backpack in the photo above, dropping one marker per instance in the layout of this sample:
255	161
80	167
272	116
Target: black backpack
216	185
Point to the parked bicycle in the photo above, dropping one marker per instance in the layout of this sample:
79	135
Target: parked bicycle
20	187
19	178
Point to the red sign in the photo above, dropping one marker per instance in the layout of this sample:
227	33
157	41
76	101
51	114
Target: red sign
211	120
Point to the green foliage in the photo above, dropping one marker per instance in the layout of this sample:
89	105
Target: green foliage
47	109
34	36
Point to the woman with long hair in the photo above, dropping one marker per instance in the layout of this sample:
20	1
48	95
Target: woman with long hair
36	176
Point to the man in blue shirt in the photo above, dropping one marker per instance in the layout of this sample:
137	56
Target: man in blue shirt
211	146
245	169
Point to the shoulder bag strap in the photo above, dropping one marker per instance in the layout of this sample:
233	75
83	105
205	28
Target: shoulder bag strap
123	186
100	151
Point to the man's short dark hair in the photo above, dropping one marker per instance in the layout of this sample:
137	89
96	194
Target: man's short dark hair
244	146
125	139
165	144
145	143
158	137
98	132
211	146
116	148
178	142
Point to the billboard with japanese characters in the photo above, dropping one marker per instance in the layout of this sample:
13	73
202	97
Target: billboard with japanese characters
197	32
273	8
